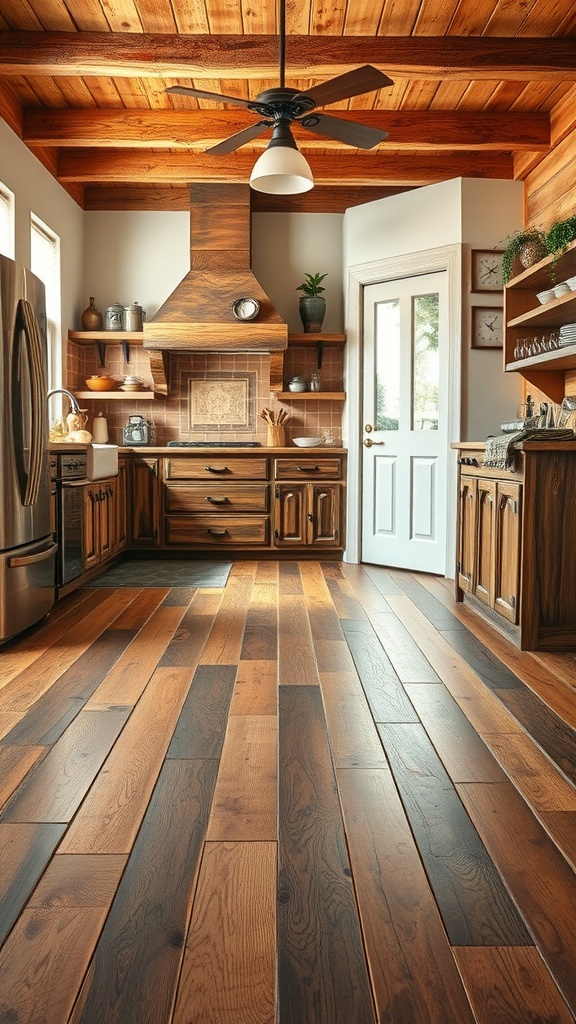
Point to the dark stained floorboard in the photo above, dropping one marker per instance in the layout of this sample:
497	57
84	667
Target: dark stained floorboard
425	874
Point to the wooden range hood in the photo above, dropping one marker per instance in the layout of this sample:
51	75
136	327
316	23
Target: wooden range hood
197	316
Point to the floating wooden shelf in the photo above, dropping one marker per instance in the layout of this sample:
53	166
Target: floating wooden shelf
108	337
142	396
316	339
308	396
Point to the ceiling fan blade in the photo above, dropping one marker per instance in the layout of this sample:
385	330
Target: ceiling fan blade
239	138
351	83
363	136
185	90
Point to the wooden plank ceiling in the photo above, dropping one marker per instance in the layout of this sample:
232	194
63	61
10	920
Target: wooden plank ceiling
480	88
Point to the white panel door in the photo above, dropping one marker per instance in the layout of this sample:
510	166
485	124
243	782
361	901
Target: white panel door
405	435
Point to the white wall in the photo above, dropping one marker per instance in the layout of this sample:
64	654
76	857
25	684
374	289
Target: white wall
37	192
143	256
134	257
285	247
476	213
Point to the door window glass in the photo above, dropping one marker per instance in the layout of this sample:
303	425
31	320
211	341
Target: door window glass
387	377
426	363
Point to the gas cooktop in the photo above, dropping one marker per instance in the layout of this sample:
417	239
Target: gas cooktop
214	444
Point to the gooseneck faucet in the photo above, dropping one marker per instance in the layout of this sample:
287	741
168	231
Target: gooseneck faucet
63	391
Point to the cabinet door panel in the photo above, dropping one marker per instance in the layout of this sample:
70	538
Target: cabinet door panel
466	533
484	581
324	514
289	514
90	528
107	518
507	561
145	502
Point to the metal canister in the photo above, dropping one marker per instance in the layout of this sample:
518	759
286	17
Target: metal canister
115	317
133	318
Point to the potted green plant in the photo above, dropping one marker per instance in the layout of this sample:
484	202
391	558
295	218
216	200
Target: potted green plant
557	238
527	247
312	303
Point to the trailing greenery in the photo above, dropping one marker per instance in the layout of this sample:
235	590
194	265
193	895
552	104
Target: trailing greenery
558	237
312	285
514	246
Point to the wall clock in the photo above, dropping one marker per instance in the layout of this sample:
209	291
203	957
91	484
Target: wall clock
486	272
246	308
487	329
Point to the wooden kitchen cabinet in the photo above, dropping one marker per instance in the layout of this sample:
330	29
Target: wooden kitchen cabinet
101	524
144	505
516	556
308	502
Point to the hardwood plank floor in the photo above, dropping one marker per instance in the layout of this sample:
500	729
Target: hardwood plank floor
324	794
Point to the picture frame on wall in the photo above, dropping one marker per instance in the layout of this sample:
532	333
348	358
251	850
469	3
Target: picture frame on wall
487	327
486	270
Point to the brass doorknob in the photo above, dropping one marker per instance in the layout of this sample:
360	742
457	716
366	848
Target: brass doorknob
368	442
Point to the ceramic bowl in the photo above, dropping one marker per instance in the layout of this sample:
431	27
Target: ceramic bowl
571	282
307	442
101	384
546	296
563	288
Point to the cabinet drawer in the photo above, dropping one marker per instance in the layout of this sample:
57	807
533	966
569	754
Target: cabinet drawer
219	531
309	468
218	467
232	497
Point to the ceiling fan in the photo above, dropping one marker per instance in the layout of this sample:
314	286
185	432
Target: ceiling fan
282	107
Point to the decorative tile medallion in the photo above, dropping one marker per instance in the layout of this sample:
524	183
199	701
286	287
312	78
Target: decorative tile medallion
222	401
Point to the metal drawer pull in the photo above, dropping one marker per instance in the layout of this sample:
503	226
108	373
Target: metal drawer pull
217	501
308	469
216	533
216	469
18	560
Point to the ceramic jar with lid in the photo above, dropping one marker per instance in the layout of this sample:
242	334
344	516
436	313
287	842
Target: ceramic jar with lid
133	319
115	317
297	384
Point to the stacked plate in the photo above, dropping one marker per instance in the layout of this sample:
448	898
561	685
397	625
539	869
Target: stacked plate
131	383
567	335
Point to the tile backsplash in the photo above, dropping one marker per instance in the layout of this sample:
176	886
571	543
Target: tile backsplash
170	416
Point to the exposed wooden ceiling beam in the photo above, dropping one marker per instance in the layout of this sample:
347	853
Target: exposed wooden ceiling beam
108	166
203	128
320	199
131	55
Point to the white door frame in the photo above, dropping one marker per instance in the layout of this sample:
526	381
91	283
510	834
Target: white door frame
448	258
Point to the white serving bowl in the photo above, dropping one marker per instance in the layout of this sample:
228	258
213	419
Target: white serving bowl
546	296
307	442
561	289
571	282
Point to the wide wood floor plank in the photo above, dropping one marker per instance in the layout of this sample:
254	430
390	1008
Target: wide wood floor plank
43	960
342	593
510	985
370	588
354	740
486	713
413	973
224	644
128	678
201	726
322	615
15	763
296	658
228	974
186	646
244	804
556	738
322	973
406	658
25	850
136	963
535	872
260	641
533	774
561	826
255	689
473	900
464	755
109	818
26	687
384	691
289	580
79	881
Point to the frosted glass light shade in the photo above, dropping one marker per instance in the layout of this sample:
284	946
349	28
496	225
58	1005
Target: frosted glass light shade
281	171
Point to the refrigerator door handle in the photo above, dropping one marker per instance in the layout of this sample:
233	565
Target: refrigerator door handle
37	397
41	556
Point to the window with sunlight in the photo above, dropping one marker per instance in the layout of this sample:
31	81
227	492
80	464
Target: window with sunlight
45	263
7	223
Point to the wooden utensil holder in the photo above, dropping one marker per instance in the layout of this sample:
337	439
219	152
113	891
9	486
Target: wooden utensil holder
276	436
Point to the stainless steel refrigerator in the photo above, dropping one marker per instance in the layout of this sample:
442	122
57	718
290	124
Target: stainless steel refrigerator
27	548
